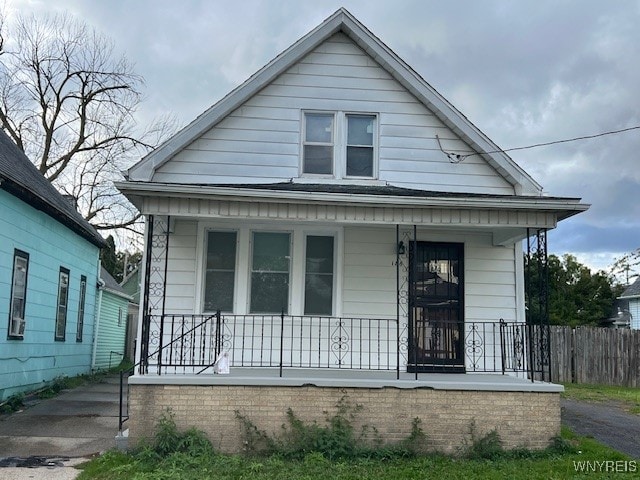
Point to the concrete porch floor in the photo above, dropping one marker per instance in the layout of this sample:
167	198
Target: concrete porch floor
343	378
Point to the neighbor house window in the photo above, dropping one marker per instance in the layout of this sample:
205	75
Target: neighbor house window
119	316
318	143
270	266
18	294
81	301
360	145
63	302
318	279
220	271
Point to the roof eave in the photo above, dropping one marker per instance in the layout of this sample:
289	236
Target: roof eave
564	207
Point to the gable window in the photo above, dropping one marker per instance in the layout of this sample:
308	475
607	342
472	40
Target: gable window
270	269
81	301
18	294
318	143
318	278
220	271
339	144
360	134
63	299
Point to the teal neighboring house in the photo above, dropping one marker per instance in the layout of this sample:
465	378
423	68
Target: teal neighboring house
49	260
111	327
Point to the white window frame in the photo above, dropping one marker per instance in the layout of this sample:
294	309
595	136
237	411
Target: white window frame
250	272
244	231
82	297
61	338
333	144
374	146
340	137
203	265
334	284
17	325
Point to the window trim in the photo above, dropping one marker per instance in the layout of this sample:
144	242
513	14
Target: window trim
291	234
57	338
203	276
340	138
10	335
374	146
334	273
82	301
333	144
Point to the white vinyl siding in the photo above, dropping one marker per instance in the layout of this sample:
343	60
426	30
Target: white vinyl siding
260	141
370	274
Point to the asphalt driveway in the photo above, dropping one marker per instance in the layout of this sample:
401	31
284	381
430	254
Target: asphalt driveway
67	429
607	422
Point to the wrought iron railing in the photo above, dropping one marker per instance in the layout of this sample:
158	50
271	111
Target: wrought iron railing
191	344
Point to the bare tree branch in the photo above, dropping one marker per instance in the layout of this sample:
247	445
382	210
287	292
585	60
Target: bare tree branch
69	102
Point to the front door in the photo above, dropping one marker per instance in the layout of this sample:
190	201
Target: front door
436	309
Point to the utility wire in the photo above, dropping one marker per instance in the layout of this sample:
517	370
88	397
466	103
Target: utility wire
459	157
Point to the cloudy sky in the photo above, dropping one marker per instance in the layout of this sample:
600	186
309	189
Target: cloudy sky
524	72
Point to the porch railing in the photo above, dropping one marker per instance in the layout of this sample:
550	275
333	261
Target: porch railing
191	344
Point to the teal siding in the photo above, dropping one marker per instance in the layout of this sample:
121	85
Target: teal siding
111	336
28	363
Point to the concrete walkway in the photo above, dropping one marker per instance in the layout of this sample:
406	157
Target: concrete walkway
65	430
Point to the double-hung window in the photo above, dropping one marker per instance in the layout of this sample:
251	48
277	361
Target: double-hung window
18	294
318	144
63	304
81	301
339	144
318	278
270	271
220	271
360	145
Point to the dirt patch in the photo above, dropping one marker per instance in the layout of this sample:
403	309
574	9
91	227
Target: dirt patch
607	422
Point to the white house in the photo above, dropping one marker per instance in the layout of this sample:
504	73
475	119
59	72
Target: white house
337	227
632	294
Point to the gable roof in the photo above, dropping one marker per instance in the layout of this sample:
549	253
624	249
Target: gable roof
111	285
22	179
632	291
341	21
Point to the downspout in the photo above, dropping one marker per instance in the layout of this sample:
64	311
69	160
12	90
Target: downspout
96	325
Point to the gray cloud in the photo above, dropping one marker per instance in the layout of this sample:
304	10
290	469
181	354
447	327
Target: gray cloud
524	72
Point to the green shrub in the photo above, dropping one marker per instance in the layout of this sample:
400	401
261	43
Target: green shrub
168	440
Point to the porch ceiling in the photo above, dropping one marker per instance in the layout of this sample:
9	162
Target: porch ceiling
506	216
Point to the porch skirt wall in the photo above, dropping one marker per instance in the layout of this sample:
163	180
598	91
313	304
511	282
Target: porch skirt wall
523	419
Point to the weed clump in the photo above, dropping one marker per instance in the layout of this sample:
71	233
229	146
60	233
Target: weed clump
336	439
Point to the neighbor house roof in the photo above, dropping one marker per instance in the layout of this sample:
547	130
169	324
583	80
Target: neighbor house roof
341	21
111	285
22	179
632	291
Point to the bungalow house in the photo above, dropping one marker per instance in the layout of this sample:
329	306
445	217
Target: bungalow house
334	227
49	257
109	342
632	295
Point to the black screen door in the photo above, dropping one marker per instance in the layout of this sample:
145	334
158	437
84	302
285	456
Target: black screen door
436	309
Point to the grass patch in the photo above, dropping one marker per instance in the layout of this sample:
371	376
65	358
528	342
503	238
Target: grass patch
627	396
554	463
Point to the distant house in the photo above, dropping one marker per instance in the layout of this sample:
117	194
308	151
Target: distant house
111	326
131	286
632	295
49	257
333	227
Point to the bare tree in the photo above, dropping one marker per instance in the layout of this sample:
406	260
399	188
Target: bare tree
68	102
627	266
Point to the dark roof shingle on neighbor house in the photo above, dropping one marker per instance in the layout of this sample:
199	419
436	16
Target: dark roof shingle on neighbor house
632	291
21	178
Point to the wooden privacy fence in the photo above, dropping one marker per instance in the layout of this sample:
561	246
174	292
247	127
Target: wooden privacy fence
594	355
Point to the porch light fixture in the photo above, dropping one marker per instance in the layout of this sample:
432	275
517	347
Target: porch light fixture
401	248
